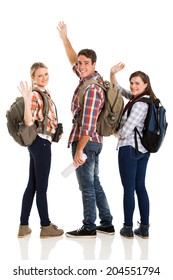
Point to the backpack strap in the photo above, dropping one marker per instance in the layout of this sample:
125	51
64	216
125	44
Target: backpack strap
84	86
157	104
77	120
46	112
129	107
105	85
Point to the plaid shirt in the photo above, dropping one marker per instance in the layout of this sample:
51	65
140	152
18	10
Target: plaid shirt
135	119
37	110
93	102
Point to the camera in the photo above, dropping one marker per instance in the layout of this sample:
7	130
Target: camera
58	132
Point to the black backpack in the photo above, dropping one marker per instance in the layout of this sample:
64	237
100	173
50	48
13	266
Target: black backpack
155	125
110	115
15	115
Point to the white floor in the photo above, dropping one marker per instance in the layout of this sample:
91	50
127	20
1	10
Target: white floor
65	209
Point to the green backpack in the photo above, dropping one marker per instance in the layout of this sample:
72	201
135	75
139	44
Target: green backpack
16	126
110	115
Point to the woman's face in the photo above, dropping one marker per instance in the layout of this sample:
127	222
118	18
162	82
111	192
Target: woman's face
41	77
137	86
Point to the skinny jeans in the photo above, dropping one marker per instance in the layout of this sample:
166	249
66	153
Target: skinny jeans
132	167
89	184
39	169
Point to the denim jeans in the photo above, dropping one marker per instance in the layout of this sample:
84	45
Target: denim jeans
40	162
89	184
132	167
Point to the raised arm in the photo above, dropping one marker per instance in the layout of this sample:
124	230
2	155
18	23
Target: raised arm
115	69
71	54
26	92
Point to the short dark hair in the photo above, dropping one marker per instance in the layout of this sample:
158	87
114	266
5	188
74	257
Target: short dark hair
88	53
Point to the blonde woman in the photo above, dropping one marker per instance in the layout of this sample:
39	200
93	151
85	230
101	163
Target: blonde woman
39	152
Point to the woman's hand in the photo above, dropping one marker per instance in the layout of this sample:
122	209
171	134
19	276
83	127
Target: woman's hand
25	90
116	68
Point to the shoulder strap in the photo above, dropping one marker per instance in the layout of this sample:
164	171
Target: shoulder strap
92	81
129	107
140	98
85	85
45	100
46	110
156	101
110	90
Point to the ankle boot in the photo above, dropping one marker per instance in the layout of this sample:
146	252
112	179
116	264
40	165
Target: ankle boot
50	231
142	231
23	231
127	232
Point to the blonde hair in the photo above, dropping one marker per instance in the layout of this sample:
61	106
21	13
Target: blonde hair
34	67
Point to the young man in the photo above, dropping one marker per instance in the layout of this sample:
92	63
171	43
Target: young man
85	139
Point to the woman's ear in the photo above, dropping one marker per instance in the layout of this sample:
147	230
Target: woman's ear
146	85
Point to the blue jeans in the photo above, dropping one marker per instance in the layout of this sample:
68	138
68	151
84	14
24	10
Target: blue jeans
40	162
89	184
132	167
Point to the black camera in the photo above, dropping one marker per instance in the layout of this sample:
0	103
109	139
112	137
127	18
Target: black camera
58	132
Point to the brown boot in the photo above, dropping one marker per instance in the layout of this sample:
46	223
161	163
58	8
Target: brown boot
23	231
50	231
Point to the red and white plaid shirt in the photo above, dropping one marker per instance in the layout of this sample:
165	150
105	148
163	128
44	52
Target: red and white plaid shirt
37	109
93	102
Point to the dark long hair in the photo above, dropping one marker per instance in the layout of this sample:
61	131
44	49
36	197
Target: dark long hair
145	78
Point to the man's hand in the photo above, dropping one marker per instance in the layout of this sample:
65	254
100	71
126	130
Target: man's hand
71	54
78	158
62	28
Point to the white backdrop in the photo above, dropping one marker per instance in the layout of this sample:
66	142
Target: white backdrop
138	33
